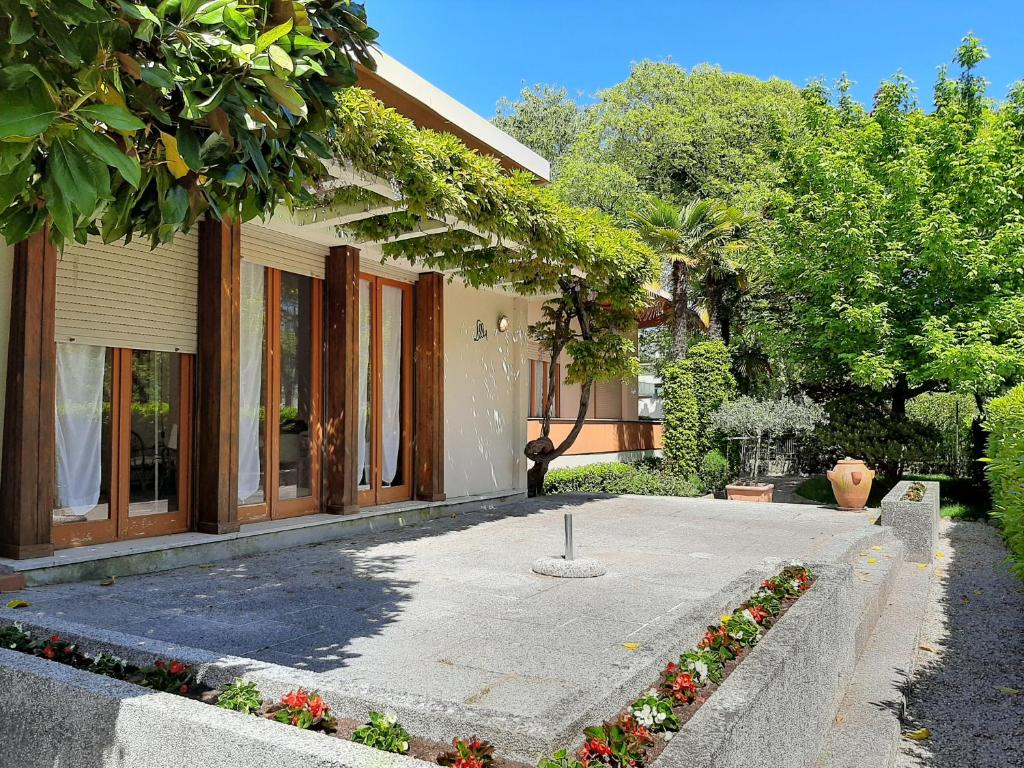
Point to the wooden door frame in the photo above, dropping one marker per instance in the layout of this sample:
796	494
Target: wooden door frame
376	494
118	526
271	508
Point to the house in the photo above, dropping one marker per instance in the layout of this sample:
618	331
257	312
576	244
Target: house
258	372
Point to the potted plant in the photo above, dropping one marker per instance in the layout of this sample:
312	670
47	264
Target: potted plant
759	420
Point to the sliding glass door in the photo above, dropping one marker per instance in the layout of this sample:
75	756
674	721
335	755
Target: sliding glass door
123	440
385	391
279	395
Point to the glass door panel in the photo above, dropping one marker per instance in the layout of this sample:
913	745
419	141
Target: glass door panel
385	414
155	431
295	415
252	411
83	424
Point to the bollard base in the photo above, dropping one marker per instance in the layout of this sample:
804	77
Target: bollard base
559	567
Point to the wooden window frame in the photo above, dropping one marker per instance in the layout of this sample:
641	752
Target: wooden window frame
120	525
376	494
273	508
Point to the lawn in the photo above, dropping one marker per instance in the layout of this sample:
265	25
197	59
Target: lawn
960	497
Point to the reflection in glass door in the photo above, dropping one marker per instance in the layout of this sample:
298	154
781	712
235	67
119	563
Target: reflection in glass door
279	394
385	391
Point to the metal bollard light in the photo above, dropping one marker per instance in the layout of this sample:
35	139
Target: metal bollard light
570	552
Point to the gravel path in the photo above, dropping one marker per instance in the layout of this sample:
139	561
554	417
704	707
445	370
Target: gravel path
968	688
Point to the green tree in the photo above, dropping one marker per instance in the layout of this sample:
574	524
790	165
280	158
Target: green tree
696	238
898	260
143	117
545	118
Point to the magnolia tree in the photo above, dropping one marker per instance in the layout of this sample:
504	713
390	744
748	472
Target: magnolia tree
124	118
759	420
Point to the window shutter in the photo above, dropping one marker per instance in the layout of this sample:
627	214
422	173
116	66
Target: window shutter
130	296
286	252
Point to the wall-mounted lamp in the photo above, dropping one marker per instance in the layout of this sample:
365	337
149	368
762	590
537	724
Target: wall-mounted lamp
503	323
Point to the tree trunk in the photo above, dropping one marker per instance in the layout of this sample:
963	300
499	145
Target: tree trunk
680	309
542	451
979	445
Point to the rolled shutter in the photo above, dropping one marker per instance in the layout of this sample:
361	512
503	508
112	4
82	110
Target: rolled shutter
128	295
287	252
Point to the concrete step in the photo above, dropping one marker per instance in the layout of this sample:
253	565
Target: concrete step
866	730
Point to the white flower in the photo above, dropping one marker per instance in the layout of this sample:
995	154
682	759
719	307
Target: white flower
749	615
796	564
659	717
390	717
700	669
795	584
405	746
645	715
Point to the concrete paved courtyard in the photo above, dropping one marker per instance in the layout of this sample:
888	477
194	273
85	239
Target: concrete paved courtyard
451	610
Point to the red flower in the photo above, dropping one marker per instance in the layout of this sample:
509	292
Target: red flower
769	584
296	699
681	687
317	706
467	762
55	639
159	663
68	649
49	653
183	690
759	613
177	667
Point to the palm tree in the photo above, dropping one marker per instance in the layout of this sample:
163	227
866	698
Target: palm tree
697	238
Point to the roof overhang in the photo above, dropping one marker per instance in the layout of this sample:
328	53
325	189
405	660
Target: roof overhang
429	107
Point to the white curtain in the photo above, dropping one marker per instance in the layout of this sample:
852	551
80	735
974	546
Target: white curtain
364	373
79	427
391	370
250	396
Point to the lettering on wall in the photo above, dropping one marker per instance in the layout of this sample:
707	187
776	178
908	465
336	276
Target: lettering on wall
481	331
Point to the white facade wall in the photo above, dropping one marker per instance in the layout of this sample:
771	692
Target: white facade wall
485	392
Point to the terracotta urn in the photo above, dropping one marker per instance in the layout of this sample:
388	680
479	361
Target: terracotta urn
851	483
762	494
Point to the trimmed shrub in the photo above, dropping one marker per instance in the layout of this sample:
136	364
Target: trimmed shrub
1005	422
616	477
682	418
715	472
711	366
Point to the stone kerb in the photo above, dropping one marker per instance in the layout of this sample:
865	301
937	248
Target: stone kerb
55	715
915	523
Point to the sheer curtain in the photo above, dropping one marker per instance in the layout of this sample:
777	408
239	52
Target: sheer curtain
80	369
364	373
250	364
391	370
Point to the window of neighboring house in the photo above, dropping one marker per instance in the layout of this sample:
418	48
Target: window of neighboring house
539	389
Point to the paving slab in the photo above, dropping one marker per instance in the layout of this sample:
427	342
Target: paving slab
449	610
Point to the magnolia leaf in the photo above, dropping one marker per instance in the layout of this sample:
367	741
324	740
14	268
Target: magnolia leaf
25	113
157	75
105	149
130	65
73	177
236	22
175	163
631	646
284	94
118	118
271	36
280	59
16	603
109	582
21	24
1008	691
13	183
58	207
188	147
919	735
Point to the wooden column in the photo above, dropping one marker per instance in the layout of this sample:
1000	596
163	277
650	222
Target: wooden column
216	468
341	399
27	485
428	359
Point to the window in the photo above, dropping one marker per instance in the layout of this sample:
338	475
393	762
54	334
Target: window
539	389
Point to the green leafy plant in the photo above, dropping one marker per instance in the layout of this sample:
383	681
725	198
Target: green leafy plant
305	710
682	418
168	676
677	684
111	666
704	665
383	732
718	642
765	419
743	629
241	696
654	713
620	744
144	116
55	648
1005	467
468	753
13	637
560	759
715	472
765	601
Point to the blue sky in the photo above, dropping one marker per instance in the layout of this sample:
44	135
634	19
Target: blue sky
480	51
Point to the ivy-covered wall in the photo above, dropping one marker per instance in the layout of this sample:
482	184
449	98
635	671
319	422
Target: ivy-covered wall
1006	468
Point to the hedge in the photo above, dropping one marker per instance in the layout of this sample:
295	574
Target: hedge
616	477
1005	422
682	418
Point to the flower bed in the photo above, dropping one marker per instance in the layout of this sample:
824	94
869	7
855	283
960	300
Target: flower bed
633	738
915	492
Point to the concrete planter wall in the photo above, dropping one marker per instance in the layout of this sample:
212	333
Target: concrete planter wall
915	523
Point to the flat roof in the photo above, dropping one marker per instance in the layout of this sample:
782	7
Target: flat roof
429	107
